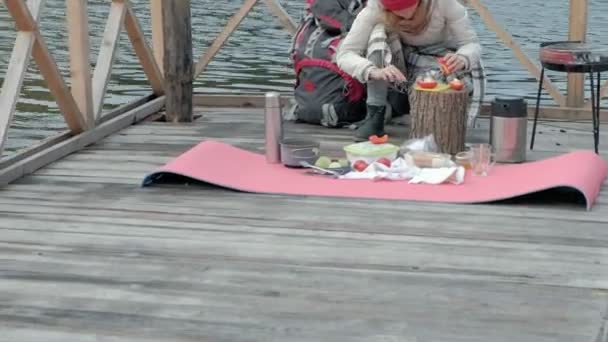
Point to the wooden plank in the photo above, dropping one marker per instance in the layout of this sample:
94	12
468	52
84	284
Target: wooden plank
18	63
508	40
143	51
107	51
158	40
577	32
178	65
285	19
20	11
553	231
77	17
221	39
62	136
38	160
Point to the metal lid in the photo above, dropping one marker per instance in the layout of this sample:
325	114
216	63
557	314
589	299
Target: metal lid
509	107
273	99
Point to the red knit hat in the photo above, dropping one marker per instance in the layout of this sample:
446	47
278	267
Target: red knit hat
398	5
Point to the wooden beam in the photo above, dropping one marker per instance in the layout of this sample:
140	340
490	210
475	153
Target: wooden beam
158	40
177	62
283	16
577	32
79	142
107	51
77	17
257	101
18	63
20	11
508	40
221	39
143	51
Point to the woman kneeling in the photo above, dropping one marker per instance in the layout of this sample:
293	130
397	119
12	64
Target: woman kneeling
393	42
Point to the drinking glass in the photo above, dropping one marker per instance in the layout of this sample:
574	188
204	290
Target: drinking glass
482	159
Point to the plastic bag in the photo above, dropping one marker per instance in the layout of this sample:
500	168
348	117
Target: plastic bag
426	144
424	153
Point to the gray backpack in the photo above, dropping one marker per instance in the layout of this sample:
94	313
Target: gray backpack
325	94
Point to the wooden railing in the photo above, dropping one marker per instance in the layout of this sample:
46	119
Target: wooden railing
81	104
572	104
162	62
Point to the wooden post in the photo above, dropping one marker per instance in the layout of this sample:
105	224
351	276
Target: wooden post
578	31
442	114
77	18
158	40
177	60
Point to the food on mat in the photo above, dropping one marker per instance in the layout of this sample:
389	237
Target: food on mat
323	162
360	165
431	160
456	84
370	152
335	165
385	161
379	140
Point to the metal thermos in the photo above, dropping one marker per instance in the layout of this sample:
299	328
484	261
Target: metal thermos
274	127
508	129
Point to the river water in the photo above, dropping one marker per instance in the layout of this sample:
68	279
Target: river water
255	58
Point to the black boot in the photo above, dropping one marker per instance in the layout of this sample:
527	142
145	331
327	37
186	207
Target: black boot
373	124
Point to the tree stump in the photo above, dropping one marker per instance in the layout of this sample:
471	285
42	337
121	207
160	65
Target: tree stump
442	114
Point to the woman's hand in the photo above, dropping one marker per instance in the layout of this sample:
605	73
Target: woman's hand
454	62
390	74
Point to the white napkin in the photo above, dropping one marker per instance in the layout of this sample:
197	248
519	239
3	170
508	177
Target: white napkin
406	170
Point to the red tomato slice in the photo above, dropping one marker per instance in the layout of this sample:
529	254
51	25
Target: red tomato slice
427	84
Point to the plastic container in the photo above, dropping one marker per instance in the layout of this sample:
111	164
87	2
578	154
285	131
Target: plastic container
295	151
369	152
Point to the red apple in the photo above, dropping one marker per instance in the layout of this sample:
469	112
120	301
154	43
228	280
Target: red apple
360	165
384	161
456	84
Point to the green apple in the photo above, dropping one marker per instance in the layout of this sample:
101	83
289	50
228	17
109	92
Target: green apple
323	162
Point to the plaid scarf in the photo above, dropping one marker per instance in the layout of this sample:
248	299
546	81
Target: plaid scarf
416	61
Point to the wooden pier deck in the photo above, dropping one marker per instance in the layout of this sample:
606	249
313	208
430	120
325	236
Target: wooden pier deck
89	255
86	254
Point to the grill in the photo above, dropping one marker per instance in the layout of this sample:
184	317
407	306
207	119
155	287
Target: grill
575	57
571	56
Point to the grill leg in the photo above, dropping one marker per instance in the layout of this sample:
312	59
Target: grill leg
594	110
598	99
536	111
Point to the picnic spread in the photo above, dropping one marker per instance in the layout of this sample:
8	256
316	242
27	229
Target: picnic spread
434	154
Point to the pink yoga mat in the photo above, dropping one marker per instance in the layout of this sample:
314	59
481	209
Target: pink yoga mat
227	166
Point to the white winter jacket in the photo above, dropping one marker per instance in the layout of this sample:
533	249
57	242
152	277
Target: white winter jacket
449	26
